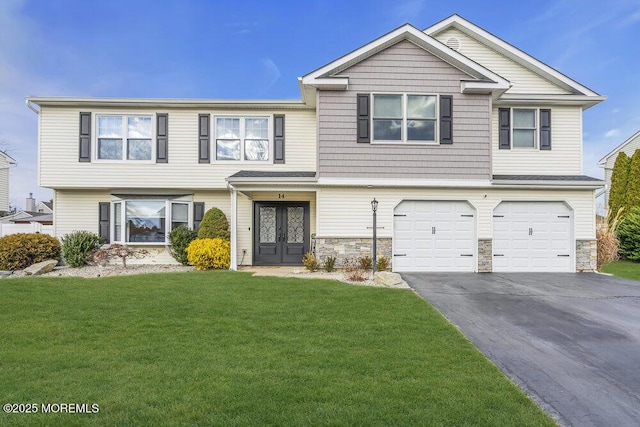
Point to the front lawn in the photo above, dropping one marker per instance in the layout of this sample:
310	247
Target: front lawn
224	348
624	269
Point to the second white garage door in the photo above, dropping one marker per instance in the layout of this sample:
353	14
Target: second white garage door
434	236
532	236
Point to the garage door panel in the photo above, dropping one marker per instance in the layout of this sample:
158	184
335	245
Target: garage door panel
531	236
440	232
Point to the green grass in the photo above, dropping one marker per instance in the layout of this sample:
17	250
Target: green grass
624	269
224	348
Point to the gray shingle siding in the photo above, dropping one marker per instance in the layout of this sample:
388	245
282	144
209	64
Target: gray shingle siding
404	68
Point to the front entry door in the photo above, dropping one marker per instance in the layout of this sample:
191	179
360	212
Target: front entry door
280	233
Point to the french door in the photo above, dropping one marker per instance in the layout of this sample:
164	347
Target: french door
280	232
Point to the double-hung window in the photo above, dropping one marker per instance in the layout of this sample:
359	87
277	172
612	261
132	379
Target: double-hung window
124	137
148	220
524	128
242	138
408	118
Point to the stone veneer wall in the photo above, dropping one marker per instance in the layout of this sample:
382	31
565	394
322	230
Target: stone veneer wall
586	255
485	255
345	247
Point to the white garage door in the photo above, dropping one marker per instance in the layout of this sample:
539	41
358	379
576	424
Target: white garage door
434	236
532	236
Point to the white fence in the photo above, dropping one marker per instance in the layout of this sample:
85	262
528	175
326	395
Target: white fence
33	227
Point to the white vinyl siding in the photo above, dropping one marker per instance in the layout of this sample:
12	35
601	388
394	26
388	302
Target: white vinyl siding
346	212
59	166
564	158
4	185
523	80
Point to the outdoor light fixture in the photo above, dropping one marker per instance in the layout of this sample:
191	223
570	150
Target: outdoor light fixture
374	208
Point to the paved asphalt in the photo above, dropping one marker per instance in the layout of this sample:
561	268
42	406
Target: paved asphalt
572	341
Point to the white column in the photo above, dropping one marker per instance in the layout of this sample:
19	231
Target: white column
234	230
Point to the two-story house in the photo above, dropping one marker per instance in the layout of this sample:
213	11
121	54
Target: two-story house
472	148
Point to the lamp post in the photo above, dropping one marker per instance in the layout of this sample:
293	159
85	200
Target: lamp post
374	208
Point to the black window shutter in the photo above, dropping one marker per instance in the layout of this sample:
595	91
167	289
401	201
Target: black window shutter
504	123
198	213
446	119
278	138
204	138
545	129
363	117
84	152
162	138
104	211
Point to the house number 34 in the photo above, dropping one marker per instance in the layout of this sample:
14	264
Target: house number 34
280	195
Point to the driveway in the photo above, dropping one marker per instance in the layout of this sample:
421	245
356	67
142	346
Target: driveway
572	341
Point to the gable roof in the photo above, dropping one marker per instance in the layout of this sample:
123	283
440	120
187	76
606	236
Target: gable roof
8	158
619	148
327	77
511	52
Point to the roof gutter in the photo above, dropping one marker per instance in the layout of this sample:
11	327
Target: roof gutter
30	105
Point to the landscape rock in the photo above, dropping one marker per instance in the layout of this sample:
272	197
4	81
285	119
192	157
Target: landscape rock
41	267
387	278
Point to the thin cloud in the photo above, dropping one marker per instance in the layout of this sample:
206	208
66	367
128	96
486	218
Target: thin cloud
271	73
407	11
612	133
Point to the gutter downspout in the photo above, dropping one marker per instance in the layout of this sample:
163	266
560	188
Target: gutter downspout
234	228
31	106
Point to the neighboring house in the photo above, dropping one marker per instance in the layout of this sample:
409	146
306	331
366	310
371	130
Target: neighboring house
6	161
628	147
44	207
472	148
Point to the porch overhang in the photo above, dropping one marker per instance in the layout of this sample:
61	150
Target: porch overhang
272	178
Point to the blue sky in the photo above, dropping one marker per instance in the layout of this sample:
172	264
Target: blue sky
257	49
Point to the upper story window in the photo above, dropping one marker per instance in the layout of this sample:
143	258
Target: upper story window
405	118
124	137
524	128
242	138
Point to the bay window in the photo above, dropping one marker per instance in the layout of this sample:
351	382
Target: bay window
148	220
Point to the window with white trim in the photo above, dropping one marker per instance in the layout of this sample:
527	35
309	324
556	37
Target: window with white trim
411	118
524	128
124	137
242	139
148	221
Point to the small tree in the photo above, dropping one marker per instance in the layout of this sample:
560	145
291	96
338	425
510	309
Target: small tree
629	235
633	183
619	178
214	225
180	238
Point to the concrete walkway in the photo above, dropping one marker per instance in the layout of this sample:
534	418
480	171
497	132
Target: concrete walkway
572	341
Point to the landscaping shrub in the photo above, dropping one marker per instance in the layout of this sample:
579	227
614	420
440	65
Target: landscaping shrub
607	240
310	262
116	250
382	263
329	264
179	239
208	254
633	184
619	178
352	270
629	235
18	251
366	262
214	225
79	246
